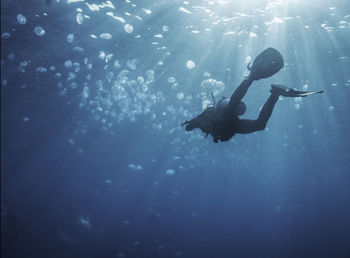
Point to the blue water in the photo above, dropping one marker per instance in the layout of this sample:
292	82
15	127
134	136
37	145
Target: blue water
94	162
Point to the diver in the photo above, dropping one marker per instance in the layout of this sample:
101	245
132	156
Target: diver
222	119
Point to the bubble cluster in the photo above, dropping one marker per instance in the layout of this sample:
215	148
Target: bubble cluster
70	38
105	36
6	35
21	19
39	31
128	28
80	18
190	64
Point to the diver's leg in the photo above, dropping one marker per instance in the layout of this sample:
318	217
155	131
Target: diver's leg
249	126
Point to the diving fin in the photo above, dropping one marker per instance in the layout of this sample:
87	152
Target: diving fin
290	92
266	64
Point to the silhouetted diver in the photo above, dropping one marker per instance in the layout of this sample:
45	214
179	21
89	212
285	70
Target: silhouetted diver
221	120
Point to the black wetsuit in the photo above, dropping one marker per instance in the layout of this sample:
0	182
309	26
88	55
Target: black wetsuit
224	124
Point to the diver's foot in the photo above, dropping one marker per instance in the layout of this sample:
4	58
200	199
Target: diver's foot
284	91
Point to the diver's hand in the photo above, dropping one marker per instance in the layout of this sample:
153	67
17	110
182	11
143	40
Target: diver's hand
185	123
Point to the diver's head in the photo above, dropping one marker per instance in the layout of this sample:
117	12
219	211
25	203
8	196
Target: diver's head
241	108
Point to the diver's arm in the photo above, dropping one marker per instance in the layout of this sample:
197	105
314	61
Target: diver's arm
192	124
238	94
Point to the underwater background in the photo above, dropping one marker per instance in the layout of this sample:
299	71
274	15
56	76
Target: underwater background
94	162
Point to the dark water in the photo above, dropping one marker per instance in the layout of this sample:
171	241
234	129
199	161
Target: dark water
94	162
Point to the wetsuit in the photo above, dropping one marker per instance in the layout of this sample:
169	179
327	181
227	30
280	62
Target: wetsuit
223	124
